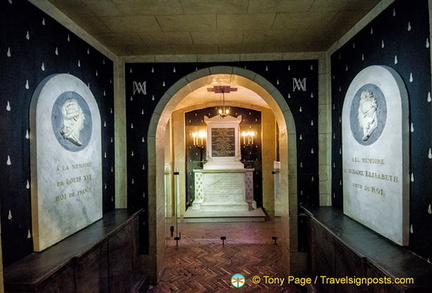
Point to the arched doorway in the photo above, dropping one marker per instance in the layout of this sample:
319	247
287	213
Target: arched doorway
287	223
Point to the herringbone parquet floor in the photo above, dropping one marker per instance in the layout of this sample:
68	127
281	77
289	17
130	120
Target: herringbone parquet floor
201	263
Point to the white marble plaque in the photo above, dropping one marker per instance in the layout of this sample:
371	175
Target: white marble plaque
375	152
223	143
66	161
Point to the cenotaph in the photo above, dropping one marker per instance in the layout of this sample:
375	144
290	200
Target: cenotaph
376	152
223	184
66	161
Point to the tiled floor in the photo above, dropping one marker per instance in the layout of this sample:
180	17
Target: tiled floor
201	263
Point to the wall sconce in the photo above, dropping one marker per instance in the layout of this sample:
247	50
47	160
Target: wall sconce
199	138
248	141
248	137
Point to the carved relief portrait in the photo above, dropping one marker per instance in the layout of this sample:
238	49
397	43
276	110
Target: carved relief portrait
368	114
71	121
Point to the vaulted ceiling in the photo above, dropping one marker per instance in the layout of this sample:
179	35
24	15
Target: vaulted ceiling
161	27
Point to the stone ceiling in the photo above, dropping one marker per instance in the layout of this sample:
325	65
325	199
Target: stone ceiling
168	27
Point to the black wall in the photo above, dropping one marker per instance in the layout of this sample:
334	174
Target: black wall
32	47
399	38
159	77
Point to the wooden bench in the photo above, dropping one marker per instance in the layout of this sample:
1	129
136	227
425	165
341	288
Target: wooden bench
339	247
102	257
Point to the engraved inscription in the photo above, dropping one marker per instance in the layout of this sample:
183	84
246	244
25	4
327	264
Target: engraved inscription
362	168
223	142
75	180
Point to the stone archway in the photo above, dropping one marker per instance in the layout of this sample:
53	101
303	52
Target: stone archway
287	222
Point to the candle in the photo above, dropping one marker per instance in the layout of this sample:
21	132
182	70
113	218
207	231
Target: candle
194	134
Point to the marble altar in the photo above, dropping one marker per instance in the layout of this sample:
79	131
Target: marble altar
223	184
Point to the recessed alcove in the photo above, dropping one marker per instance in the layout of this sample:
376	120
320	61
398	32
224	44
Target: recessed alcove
170	108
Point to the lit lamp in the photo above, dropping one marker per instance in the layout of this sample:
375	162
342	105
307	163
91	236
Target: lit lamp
248	137
199	138
222	89
223	112
199	141
248	141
